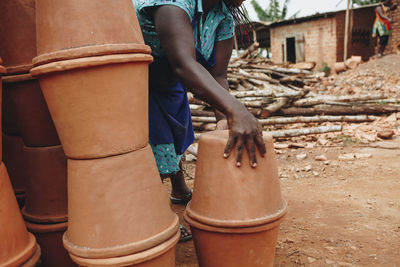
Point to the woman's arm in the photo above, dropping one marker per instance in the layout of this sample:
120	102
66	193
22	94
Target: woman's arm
175	32
380	12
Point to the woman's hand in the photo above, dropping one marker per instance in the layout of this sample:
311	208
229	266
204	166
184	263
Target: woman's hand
244	131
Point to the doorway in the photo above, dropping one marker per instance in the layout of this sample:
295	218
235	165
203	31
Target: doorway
291	49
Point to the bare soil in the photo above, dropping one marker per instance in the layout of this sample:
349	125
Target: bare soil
346	213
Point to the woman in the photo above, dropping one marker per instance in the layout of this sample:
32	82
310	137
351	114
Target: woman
192	42
382	25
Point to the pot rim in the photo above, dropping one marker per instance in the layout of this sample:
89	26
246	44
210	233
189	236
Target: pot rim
18	78
19	69
237	223
90	51
36	218
132	259
32	262
46	228
87	62
2	69
25	254
124	249
237	230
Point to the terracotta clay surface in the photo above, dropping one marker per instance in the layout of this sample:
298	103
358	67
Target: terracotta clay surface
9	116
162	255
33	117
117	206
99	105
46	189
228	196
14	159
49	237
16	244
18	34
89	24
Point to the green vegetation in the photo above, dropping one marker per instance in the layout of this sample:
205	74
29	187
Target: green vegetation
273	13
364	2
348	139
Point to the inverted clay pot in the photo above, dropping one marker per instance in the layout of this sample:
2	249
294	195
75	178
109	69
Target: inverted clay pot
353	62
18	35
33	117
340	67
162	255
235	212
8	117
98	104
117	206
14	159
92	29
49	237
46	188
17	246
2	71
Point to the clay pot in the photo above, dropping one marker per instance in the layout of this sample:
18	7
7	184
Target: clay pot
117	206
340	67
34	121
2	71
49	237
18	35
9	116
236	209
162	255
14	159
353	62
46	189
17	246
98	104
91	29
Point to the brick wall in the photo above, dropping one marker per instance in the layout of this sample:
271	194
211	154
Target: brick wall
396	28
319	40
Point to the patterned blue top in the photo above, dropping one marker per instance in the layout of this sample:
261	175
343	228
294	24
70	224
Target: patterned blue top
218	26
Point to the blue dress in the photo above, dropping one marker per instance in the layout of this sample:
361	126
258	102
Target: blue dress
171	131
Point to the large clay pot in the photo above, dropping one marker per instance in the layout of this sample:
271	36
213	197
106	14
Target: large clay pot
46	189
117	206
14	159
9	116
17	246
34	121
49	237
2	71
340	67
98	104
162	255
237	209
353	62
82	28
18	35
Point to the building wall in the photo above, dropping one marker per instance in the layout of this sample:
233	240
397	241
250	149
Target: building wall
319	40
396	29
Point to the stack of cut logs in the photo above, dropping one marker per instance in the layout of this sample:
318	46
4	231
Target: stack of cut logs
279	95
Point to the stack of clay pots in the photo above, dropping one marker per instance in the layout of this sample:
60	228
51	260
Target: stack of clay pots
235	213
17	246
92	66
33	151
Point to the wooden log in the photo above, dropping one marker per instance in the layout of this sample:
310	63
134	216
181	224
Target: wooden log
306	131
274	107
196	107
248	51
202	113
253	93
318	119
196	101
345	98
339	110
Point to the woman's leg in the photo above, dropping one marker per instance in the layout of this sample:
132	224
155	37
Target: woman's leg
179	188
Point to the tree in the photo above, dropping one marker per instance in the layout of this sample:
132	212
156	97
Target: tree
274	12
364	2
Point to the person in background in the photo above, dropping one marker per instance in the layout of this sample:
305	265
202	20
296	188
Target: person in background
191	42
382	25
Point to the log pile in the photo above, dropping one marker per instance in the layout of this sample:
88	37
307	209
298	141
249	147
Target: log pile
279	96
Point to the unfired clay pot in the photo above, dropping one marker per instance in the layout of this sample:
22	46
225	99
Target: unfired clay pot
339	67
238	210
17	35
46	188
14	159
82	28
117	206
353	62
49	237
98	104
17	246
34	121
162	255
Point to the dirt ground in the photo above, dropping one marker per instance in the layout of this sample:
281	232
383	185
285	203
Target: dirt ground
341	212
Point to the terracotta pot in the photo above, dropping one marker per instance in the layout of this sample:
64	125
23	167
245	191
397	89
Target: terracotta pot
117	206
353	62
220	187
339	67
14	159
9	116
2	71
46	189
17	246
49	237
235	247
34	121
91	29
18	28
162	255
99	104
33	261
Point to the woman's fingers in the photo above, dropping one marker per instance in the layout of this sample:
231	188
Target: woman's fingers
252	151
229	145
259	141
239	151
